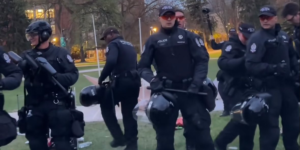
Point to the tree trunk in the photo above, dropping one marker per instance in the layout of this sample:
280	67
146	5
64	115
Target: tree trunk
82	54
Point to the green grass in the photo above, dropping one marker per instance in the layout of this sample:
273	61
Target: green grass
99	135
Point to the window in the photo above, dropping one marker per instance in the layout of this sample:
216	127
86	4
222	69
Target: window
50	13
39	14
53	29
29	14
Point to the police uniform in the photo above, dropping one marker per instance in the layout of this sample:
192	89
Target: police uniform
296	37
179	55
270	59
234	78
46	104
217	46
13	74
121	67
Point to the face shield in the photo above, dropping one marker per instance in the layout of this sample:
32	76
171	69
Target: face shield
30	35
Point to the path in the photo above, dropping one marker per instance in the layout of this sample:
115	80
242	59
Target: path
93	113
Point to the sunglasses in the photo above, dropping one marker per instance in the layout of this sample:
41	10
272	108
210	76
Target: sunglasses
268	18
180	17
292	18
168	17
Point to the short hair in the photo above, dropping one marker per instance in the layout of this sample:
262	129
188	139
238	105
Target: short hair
290	9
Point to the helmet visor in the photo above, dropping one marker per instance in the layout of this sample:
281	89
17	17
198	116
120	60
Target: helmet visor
30	35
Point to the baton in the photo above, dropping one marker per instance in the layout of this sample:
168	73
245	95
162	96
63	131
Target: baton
179	91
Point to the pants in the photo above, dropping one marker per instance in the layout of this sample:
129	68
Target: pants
197	126
49	115
125	91
235	128
225	97
283	103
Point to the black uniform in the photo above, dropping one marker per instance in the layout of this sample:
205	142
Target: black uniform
234	77
121	67
13	74
216	46
297	39
180	55
270	59
46	102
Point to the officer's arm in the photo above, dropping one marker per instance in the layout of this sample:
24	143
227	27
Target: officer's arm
144	66
227	62
70	74
111	61
254	54
13	74
215	45
200	57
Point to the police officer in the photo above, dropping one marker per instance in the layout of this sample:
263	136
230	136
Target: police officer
291	13
46	103
180	18
217	46
270	59
13	74
121	67
232	65
179	55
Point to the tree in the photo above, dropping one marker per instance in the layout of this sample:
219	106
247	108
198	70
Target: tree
249	10
13	23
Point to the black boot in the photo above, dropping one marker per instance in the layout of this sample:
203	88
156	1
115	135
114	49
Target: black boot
132	144
225	114
117	143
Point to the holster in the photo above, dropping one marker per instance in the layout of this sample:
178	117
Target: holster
78	123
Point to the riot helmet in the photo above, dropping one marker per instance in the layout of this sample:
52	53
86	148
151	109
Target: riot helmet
92	95
41	28
160	107
252	109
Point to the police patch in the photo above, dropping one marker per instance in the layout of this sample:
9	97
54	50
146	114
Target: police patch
197	42
201	42
180	36
253	48
6	58
107	49
284	37
228	48
69	58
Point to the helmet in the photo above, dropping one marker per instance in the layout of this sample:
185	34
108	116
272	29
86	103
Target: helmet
91	95
40	28
250	110
160	107
208	82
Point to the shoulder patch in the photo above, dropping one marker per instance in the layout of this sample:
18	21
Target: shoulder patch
201	42
6	58
69	58
253	48
197	42
228	48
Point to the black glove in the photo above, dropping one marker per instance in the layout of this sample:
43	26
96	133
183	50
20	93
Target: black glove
156	85
281	69
193	89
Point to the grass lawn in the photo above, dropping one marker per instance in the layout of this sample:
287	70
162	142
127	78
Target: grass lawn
11	97
99	135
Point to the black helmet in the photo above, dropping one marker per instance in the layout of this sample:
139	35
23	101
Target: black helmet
92	95
40	28
212	86
250	111
160	107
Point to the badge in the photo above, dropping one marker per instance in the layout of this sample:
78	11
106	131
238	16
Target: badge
6	58
197	42
180	36
228	48
253	48
107	49
69	58
284	37
201	42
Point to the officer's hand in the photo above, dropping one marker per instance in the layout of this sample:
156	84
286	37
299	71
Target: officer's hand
156	85
193	89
